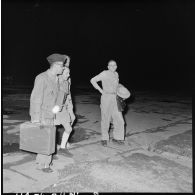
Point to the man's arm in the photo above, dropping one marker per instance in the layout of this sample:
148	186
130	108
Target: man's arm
36	99
94	81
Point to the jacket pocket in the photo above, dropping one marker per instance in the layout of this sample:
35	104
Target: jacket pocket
47	114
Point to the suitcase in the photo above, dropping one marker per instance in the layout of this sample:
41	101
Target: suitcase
37	138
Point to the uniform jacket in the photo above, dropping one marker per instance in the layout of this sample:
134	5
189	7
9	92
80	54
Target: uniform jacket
43	97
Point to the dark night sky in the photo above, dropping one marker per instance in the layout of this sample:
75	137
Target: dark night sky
151	40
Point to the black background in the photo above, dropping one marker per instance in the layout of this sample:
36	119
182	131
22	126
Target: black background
151	41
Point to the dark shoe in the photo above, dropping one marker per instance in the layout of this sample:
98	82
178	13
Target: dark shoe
65	152
47	170
119	142
104	142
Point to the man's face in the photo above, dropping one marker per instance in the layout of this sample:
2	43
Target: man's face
59	67
112	67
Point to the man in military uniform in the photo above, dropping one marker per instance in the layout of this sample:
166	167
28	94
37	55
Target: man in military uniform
43	101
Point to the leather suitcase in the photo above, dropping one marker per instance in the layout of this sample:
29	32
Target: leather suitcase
37	138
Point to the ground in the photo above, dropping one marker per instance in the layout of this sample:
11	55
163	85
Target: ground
156	157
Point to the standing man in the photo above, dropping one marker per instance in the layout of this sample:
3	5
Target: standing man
109	109
43	101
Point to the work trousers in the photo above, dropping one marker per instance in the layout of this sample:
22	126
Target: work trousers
44	160
109	110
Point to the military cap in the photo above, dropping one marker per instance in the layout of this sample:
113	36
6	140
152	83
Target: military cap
56	58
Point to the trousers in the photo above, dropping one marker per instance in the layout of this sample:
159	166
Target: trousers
109	110
43	160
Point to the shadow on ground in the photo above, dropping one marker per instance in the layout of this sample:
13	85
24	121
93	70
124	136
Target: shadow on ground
180	144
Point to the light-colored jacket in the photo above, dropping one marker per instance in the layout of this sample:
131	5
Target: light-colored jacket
43	97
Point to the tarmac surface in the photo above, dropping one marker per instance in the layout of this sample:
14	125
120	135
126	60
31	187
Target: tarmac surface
156	157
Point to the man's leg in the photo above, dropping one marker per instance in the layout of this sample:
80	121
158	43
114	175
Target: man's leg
106	111
47	160
105	118
105	122
66	134
43	161
64	141
40	161
59	133
118	122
